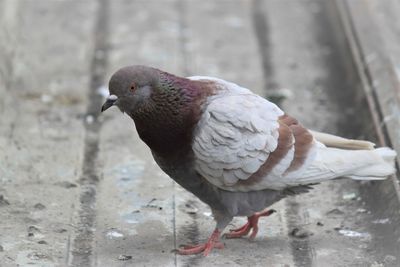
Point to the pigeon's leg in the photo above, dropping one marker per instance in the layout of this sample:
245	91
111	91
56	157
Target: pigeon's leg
222	220
252	223
213	242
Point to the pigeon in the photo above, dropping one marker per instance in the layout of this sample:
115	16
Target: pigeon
234	150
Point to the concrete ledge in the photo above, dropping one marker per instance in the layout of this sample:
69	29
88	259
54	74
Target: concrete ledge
371	35
376	67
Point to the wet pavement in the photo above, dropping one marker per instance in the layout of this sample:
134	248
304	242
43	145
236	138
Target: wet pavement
80	189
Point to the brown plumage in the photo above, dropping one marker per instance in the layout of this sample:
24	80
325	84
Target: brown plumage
303	141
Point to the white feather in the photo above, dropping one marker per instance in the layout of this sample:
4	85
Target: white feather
238	134
331	163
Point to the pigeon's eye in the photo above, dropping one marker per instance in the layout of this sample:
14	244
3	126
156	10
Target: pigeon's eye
133	87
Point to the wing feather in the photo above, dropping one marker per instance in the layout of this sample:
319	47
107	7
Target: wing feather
232	142
244	142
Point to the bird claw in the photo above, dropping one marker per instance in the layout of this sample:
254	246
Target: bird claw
196	249
240	228
252	224
213	242
239	232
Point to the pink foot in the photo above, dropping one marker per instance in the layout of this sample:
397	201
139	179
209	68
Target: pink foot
213	242
241	231
252	223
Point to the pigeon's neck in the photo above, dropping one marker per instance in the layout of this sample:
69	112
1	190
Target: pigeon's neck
166	124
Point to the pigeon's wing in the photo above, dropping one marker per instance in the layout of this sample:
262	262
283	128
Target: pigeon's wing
244	142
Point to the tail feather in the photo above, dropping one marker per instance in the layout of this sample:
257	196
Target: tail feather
340	142
332	163
380	169
389	155
366	178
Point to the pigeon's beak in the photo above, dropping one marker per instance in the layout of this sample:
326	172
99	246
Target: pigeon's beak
109	102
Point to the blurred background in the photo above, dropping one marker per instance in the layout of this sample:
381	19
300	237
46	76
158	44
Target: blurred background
80	189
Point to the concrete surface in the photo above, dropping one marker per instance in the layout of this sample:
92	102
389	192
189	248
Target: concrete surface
79	189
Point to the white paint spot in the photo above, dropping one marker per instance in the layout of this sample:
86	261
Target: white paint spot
46	98
111	234
326	252
131	221
207	213
350	233
103	91
381	221
89	119
38	236
349	196
124	257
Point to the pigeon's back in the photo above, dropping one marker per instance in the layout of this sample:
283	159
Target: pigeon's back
245	143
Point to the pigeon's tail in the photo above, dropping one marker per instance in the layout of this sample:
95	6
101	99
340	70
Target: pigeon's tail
331	163
340	142
380	169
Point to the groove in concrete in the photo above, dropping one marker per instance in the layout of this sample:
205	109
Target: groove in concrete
261	28
183	38
190	230
82	243
300	249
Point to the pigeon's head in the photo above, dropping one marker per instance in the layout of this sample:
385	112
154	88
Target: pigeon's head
131	87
